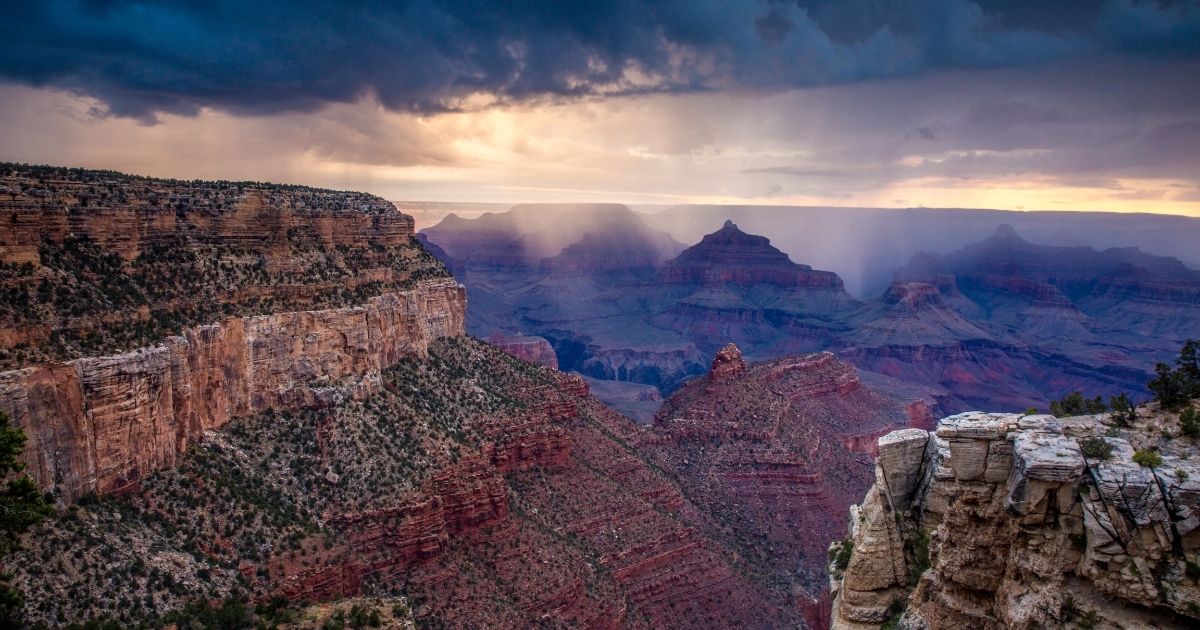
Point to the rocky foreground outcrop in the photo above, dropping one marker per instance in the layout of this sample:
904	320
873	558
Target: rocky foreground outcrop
1024	521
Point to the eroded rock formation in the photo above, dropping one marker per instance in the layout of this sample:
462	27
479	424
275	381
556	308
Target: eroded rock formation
771	451
99	424
1005	520
528	347
138	313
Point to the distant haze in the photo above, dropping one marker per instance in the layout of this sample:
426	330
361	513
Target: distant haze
866	245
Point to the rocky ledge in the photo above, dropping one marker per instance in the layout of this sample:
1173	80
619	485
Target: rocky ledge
1024	521
99	424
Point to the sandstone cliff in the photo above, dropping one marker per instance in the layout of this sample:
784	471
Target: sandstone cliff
138	313
1004	520
99	424
96	263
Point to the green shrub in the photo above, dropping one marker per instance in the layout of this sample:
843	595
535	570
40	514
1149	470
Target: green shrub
841	557
920	553
1095	448
1074	404
1174	387
1148	458
1189	422
1124	412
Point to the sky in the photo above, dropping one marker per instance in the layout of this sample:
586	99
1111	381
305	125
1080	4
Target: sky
1012	104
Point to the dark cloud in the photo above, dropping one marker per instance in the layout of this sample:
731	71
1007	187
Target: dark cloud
144	57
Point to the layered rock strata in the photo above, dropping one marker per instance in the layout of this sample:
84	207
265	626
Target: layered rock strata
1004	520
99	424
769	451
528	347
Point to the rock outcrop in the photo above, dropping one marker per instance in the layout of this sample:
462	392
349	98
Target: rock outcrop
727	364
143	312
770	451
528	347
99	424
1016	521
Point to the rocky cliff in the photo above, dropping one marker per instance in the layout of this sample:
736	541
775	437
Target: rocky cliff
99	424
139	313
96	262
528	347
1025	521
489	491
773	452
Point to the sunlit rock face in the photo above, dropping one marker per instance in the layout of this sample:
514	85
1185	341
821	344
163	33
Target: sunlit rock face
1005	520
143	312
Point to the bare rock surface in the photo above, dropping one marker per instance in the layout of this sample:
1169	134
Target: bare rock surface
1021	521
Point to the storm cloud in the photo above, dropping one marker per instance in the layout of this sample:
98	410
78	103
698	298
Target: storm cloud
141	59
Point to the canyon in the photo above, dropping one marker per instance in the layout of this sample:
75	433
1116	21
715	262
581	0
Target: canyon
293	433
1003	323
232	394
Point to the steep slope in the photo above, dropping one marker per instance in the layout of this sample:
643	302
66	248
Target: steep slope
489	491
1000	520
775	452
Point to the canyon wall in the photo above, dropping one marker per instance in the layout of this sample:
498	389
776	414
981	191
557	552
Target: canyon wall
1014	521
530	348
137	313
771	450
98	424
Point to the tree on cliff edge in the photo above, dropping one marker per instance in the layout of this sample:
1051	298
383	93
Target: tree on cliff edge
1174	387
21	505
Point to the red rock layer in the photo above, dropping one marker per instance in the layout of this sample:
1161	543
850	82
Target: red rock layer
771	453
532	349
583	534
99	424
727	364
148	212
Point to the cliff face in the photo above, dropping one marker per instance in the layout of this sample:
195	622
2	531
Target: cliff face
772	451
96	263
530	348
1000	520
99	424
138	313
